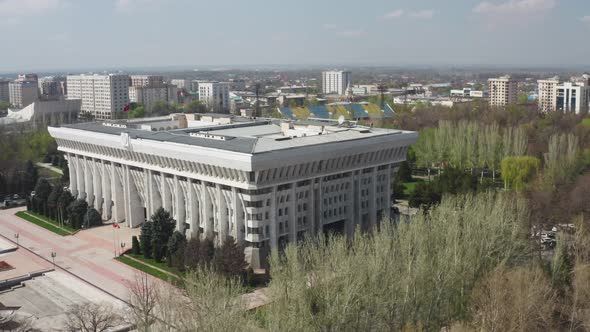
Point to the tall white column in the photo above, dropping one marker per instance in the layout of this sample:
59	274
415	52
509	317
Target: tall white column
166	196
236	217
107	191
206	209
118	194
194	209
81	177
88	182
180	205
73	167
135	214
221	215
97	184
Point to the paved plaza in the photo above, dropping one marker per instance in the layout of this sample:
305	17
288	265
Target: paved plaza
87	254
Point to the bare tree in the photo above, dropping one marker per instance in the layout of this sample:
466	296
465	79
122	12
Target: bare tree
92	317
144	297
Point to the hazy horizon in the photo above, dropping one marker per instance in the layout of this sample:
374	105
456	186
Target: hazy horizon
67	35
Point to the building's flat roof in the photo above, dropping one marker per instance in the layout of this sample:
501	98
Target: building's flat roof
255	136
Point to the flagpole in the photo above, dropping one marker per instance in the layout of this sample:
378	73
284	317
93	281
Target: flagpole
114	242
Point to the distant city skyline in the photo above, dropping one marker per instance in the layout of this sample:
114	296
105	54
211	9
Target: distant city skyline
46	35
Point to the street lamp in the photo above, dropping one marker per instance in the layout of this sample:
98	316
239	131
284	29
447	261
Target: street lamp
16	236
122	248
53	255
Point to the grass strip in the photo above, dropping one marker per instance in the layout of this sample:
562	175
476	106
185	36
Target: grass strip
51	221
144	267
42	223
152	262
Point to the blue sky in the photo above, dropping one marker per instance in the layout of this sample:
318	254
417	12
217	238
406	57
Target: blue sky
69	34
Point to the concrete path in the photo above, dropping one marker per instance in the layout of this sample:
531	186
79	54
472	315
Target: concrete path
50	167
88	254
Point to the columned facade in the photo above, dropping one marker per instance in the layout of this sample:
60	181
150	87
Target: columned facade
264	206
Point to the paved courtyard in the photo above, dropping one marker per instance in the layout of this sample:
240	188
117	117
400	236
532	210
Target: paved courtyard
87	254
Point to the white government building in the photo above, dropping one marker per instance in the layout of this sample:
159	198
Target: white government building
264	182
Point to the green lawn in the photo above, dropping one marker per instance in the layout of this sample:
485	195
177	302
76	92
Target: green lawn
149	270
51	221
152	262
40	223
410	186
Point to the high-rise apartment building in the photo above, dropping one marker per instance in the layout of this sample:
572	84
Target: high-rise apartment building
23	93
50	88
336	82
148	96
102	95
28	77
503	91
4	91
215	95
181	83
546	91
570	97
146	80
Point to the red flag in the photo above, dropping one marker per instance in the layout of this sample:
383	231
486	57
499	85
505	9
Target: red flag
126	108
115	225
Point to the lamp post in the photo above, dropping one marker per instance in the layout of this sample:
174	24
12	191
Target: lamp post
53	255
16	236
122	248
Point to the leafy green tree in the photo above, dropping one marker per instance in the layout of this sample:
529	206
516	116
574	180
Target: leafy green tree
176	246
92	218
206	252
404	173
42	191
76	212
518	171
4	105
65	178
562	159
196	106
137	112
163	227
191	253
229	259
64	200
562	265
135	247
437	257
146	238
31	176
52	201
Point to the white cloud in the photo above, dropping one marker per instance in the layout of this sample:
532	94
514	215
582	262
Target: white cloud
394	14
514	7
20	8
422	14
585	19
